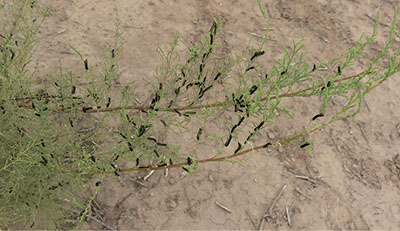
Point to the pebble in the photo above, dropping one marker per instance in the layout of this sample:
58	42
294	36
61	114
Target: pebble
210	178
271	135
171	181
398	128
297	192
172	204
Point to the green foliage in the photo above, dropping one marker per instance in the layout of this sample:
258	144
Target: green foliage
56	141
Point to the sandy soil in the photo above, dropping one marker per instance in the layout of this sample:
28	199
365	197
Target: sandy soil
353	174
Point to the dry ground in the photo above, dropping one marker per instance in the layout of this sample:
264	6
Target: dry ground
354	170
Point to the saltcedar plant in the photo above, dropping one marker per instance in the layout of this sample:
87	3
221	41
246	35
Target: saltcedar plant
56	142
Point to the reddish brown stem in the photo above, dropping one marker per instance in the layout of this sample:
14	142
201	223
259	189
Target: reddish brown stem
122	201
141	107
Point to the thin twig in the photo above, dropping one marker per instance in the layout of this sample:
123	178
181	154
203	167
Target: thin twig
374	20
269	13
355	174
256	35
148	175
261	225
80	84
366	104
97	210
288	217
251	220
226	209
307	179
93	218
271	207
86	130
122	201
303	177
274	202
137	100
363	133
140	183
100	222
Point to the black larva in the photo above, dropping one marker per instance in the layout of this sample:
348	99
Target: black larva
266	145
253	89
86	64
304	145
238	148
314	67
250	68
217	76
199	133
85	109
228	141
257	54
259	126
108	102
317	116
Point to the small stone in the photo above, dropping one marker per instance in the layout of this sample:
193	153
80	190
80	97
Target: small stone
271	135
171	181
350	226
297	191
398	128
173	204
210	178
255	181
315	170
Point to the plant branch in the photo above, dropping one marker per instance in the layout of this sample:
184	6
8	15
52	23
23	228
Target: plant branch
218	104
285	141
